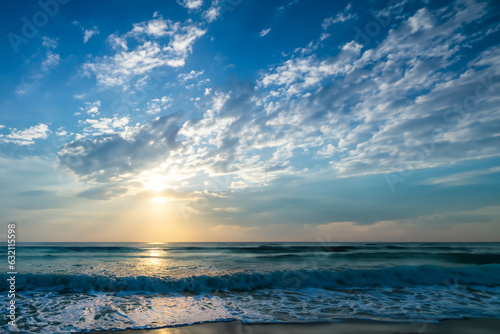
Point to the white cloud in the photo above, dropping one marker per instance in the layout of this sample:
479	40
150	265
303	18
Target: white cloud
398	87
264	32
79	96
161	43
105	126
61	132
360	111
49	43
27	136
339	18
212	13
324	36
117	42
298	74
155	28
87	33
92	108
157	105
50	62
461	178
184	77
228	209
353	47
190	4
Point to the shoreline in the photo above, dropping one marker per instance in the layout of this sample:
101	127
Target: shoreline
351	326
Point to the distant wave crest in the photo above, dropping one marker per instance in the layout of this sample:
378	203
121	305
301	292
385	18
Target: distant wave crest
401	276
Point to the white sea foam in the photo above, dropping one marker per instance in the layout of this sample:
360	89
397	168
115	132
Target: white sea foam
52	312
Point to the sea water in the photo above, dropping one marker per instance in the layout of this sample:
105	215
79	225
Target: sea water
71	287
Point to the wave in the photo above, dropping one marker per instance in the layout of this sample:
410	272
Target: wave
80	249
401	276
274	249
459	258
467	258
266	248
272	252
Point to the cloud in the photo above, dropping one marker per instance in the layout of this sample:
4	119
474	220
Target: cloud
229	209
184	77
119	155
87	33
344	16
190	4
299	74
27	136
282	9
49	43
61	132
160	43
157	105
212	13
79	96
459	179
92	108
264	32
443	221
50	61
238	228
324	36
358	111
210	146
462	226
401	86
103	192
102	126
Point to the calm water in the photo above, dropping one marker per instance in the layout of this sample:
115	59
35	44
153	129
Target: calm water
68	287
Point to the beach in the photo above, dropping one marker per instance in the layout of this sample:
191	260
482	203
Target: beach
463	326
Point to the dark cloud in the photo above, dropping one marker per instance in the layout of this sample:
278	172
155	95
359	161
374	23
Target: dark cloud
111	156
103	192
36	193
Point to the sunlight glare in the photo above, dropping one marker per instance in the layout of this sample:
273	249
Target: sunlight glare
155	183
161	200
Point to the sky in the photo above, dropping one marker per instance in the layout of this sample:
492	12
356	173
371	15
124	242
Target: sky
239	120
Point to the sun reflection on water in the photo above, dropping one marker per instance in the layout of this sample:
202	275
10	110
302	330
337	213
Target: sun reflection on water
154	261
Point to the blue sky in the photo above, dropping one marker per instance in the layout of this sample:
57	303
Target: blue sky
237	120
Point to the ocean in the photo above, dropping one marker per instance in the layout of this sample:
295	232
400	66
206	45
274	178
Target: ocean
72	287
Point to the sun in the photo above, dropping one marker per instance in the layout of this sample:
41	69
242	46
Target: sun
155	183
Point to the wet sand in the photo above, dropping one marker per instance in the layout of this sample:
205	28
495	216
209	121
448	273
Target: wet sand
465	326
